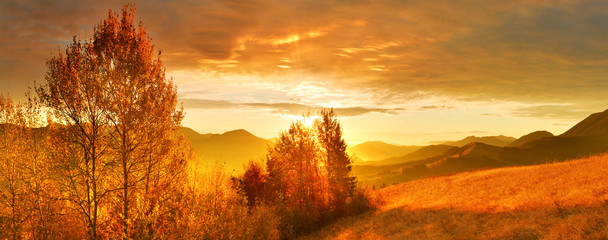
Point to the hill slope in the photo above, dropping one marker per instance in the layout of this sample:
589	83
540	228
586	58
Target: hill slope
564	200
422	153
499	141
596	123
233	148
530	137
455	159
479	155
194	135
376	150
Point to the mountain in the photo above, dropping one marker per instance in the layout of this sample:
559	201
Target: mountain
469	157
194	135
595	124
584	139
232	149
530	138
376	150
455	159
551	201
422	153
499	141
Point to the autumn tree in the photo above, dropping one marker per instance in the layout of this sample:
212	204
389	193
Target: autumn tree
309	175
254	183
141	111
295	178
335	160
120	134
28	197
14	209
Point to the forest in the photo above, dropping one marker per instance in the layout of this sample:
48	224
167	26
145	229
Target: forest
95	153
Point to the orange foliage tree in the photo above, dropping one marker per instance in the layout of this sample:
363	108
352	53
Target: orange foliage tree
309	174
335	160
29	205
295	177
14	207
120	128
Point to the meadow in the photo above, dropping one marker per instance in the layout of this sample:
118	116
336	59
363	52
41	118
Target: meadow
565	200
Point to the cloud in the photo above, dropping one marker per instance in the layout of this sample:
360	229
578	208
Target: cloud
207	104
484	51
434	107
293	109
490	114
555	111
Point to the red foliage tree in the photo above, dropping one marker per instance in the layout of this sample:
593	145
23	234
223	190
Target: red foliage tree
254	183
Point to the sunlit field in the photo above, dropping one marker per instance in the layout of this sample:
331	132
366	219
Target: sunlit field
567	200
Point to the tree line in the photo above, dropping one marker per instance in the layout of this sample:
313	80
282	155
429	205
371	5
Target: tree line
96	153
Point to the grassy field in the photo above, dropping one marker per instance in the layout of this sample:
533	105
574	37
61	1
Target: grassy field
566	200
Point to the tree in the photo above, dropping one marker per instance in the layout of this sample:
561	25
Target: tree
26	190
254	183
336	161
141	109
295	177
120	125
13	193
74	94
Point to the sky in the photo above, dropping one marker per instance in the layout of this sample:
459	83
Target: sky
398	71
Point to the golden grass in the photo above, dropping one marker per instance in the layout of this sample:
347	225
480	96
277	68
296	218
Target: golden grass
566	200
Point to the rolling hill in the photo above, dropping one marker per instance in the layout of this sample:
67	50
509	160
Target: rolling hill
595	124
232	149
476	156
456	159
194	135
422	153
499	141
565	200
533	136
376	150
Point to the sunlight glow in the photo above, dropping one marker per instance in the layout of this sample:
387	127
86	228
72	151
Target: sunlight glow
308	121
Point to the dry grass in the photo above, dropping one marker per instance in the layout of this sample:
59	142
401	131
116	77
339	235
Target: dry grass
567	200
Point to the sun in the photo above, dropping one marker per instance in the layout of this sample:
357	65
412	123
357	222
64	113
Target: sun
307	121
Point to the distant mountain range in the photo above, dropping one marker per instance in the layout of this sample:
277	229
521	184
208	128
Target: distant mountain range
379	162
380	153
231	149
499	141
376	150
530	138
588	137
421	153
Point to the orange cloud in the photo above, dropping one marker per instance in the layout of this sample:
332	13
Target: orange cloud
471	51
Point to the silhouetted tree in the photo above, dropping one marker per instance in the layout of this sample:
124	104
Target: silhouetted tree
295	178
336	161
254	183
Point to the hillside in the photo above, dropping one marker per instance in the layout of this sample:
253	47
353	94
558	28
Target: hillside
499	141
194	135
480	156
422	153
533	136
233	148
376	150
455	159
596	123
565	200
